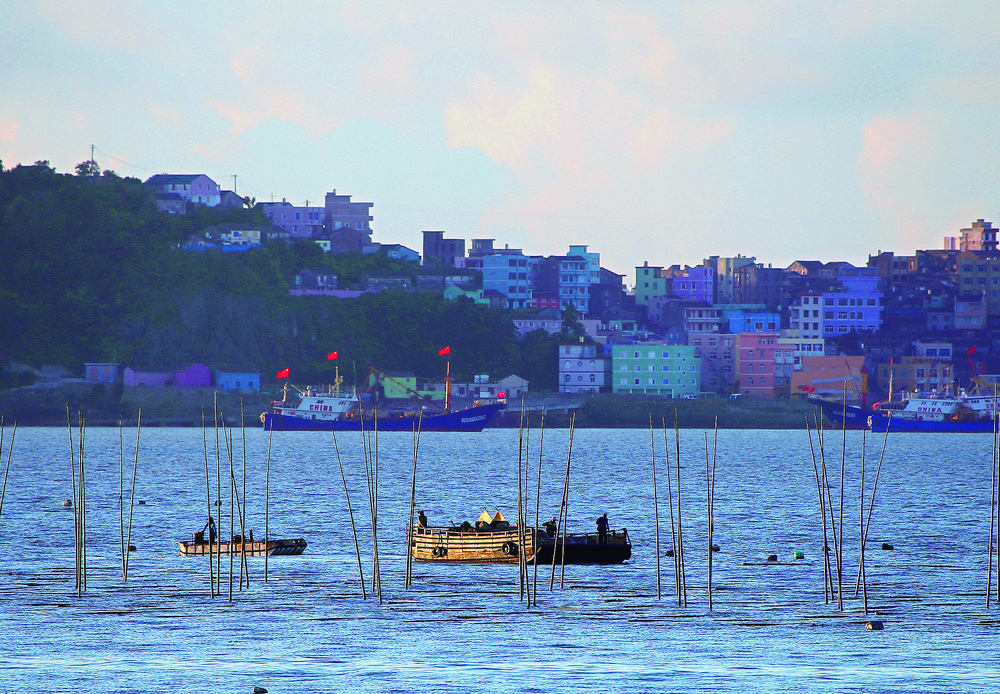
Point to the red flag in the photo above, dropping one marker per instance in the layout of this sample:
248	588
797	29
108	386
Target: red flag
972	350
444	350
283	373
332	355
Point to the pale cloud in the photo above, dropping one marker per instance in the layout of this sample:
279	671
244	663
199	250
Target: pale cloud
9	131
392	69
560	120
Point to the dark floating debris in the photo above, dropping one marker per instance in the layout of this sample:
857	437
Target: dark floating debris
669	553
715	548
131	548
772	557
259	690
67	503
799	554
141	502
873	625
886	545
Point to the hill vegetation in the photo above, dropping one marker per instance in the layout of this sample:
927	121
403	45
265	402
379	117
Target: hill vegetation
91	271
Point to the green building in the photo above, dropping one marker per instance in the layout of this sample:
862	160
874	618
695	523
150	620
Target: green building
652	368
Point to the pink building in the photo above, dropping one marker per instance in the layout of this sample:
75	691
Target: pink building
756	358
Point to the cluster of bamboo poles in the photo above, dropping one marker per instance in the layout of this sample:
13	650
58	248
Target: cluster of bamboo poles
676	526
832	516
238	514
369	437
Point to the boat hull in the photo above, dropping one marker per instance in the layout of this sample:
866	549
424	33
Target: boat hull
256	548
488	546
472	419
855	416
584	548
879	423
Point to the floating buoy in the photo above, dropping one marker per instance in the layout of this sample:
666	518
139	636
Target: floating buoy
886	545
873	625
799	554
772	557
67	503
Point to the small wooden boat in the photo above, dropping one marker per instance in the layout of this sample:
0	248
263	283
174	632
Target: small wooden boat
251	548
584	548
492	540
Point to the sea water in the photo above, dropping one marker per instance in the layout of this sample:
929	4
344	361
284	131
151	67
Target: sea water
321	622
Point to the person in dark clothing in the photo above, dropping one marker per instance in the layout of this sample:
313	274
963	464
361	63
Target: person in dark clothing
422	520
210	527
602	529
550	527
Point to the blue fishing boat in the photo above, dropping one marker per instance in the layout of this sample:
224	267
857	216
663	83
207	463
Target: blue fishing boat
948	414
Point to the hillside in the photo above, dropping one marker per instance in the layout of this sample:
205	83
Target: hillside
91	271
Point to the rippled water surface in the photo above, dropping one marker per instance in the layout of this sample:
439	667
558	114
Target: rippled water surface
307	628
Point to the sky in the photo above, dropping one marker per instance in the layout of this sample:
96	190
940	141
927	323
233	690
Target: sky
660	132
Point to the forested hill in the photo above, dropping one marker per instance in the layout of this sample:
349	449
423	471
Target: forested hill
91	271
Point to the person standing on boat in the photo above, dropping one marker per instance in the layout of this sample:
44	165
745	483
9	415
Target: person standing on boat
602	529
422	520
210	527
550	527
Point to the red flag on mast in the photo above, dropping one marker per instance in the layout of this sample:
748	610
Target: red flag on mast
332	355
444	350
283	373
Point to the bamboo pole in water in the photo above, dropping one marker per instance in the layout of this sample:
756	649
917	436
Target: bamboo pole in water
871	502
559	548
131	503
413	503
569	454
75	499
682	596
121	492
245	524
710	496
375	474
822	507
208	505
83	504
523	460
843	480
656	510
536	535
994	501
538	498
267	499
834	530
670	506
10	451
861	527
350	512
521	565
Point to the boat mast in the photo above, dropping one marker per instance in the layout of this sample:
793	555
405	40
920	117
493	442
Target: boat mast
447	387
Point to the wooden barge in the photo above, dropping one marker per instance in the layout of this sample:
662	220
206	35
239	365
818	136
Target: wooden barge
251	548
585	548
492	540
